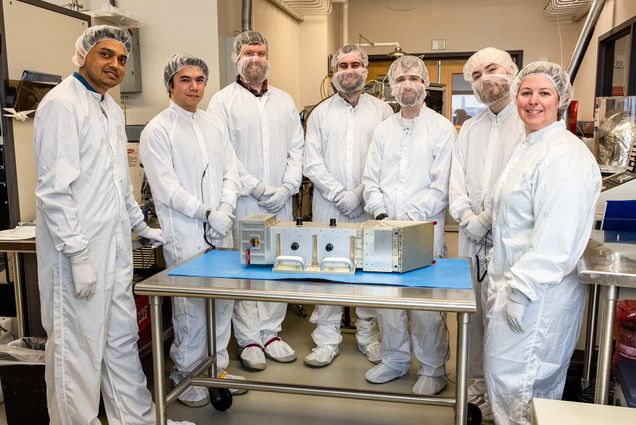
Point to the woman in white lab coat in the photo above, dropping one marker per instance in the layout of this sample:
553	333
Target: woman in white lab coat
543	209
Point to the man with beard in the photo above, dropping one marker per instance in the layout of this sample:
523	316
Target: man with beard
265	131
406	178
339	132
191	168
85	211
482	150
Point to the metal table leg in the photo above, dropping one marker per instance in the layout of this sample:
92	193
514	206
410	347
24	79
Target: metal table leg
605	345
19	314
593	293
156	323
211	311
461	389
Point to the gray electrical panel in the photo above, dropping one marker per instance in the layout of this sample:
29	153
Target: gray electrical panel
132	80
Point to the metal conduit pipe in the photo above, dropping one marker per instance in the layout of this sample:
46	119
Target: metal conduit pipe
246	15
584	39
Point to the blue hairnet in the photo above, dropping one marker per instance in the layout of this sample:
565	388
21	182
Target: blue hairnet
93	35
179	61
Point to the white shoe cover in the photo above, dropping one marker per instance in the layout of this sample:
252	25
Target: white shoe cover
253	358
372	351
171	422
279	350
234	391
195	396
486	411
430	385
322	355
381	373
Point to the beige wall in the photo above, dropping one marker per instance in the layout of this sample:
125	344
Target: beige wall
466	25
614	13
313	58
168	29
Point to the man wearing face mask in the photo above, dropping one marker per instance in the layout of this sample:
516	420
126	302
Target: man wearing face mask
406	178
339	132
265	131
483	148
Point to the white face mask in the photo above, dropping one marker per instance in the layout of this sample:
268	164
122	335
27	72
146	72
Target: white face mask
409	93
491	88
253	69
350	80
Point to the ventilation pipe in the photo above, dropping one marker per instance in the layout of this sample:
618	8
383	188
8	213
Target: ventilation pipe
584	39
246	16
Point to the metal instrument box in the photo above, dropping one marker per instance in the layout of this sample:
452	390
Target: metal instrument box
380	246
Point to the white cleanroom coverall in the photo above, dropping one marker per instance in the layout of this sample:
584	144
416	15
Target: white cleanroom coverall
268	140
336	146
543	210
85	202
189	162
406	176
483	148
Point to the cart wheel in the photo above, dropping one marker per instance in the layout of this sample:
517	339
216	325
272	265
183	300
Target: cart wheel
221	398
474	414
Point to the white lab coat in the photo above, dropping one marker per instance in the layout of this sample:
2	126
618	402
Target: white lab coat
268	140
483	148
85	201
189	161
336	146
406	174
543	210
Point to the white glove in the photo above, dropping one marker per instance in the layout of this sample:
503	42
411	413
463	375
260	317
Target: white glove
220	222
515	309
274	198
155	236
477	226
347	201
258	191
83	273
356	213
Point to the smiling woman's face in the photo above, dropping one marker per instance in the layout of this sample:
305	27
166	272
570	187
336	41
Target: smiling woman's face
537	102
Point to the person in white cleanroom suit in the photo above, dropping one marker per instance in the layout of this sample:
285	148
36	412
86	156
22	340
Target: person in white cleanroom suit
482	149
265	131
85	212
542	214
193	175
339	133
406	178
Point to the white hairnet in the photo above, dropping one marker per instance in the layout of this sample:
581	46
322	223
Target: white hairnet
487	56
350	49
408	65
93	35
244	39
179	61
555	73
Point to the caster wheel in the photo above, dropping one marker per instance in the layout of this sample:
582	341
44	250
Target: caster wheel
474	414
221	399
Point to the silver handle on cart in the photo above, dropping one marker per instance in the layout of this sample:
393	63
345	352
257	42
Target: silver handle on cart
337	260
289	259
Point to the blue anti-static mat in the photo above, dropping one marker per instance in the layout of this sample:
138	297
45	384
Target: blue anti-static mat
447	273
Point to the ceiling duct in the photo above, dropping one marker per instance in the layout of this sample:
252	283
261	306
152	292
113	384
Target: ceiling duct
567	10
299	8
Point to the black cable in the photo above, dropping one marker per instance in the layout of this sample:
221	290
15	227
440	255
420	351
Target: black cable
206	226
